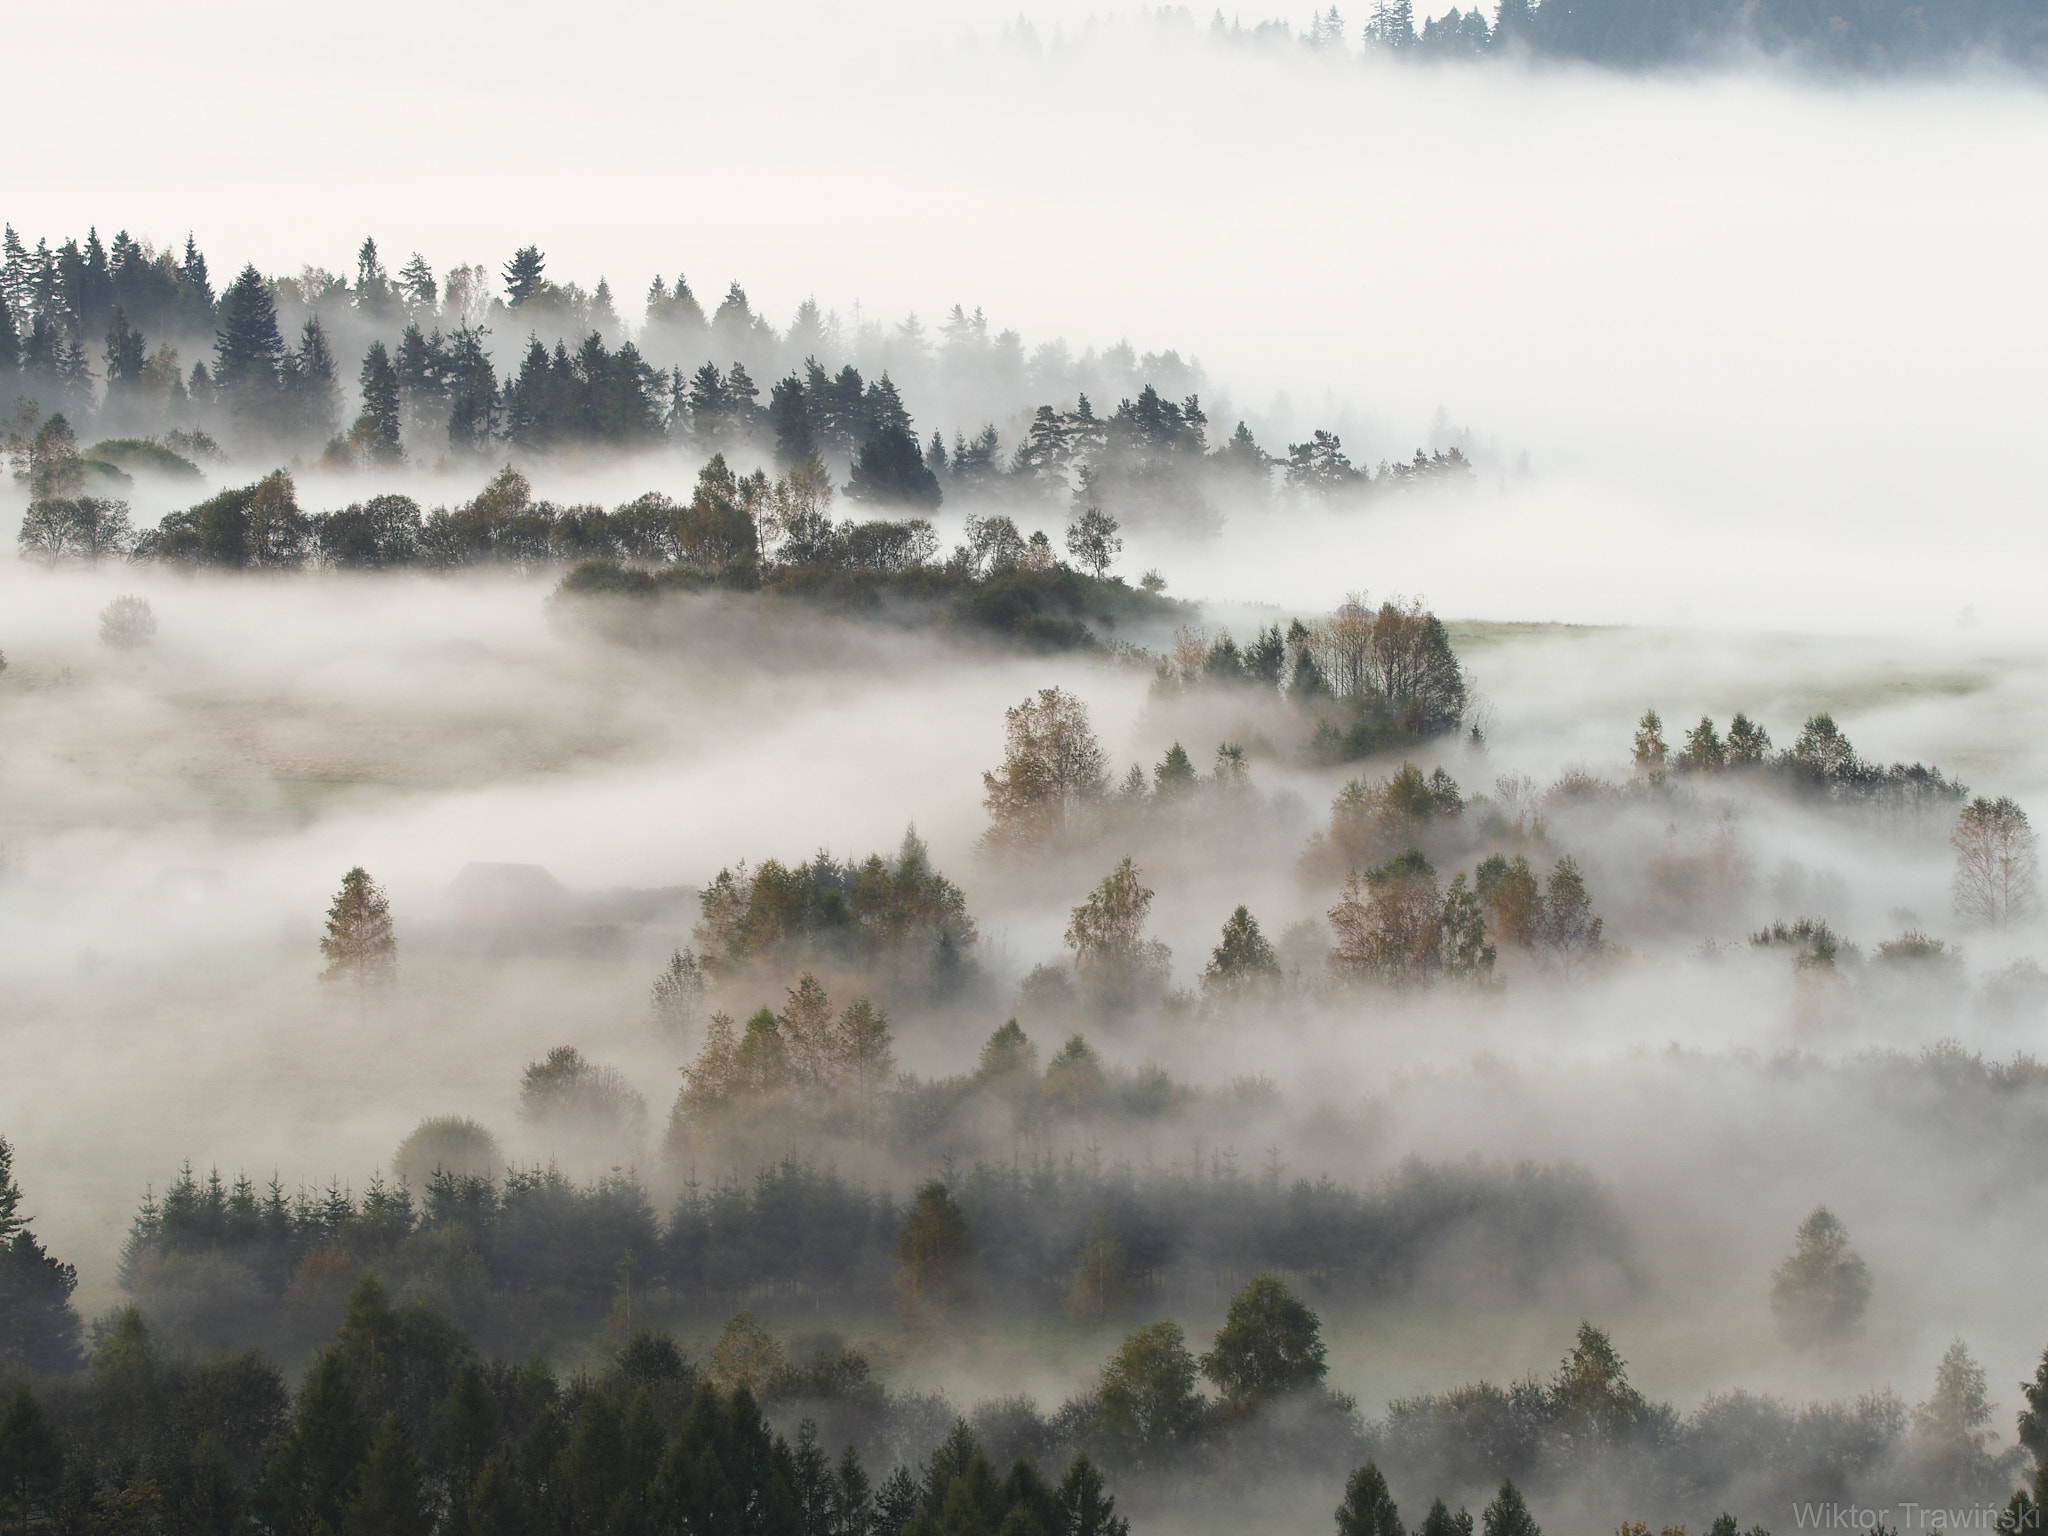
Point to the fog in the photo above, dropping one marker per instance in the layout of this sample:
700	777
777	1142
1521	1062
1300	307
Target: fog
1744	361
1714	310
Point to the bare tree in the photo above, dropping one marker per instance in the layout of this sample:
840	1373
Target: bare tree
678	994
127	623
1998	862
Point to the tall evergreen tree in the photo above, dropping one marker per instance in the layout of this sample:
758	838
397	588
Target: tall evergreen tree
392	1499
312	393
524	275
249	353
31	1460
378	425
1368	1507
127	354
38	1328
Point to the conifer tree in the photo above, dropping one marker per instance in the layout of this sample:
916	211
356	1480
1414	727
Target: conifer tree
249	352
1243	961
1368	1507
524	275
378	426
31	1460
360	944
127	354
38	1328
312	394
1508	1514
934	1257
392	1500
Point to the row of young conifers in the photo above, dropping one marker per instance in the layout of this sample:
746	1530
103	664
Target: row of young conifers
400	1423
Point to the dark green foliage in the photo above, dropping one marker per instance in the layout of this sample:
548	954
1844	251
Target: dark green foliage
392	1499
1368	1508
1243	961
1270	1344
249	353
1508	1514
142	455
1147	1408
247	527
524	275
379	534
890	470
31	1460
901	913
378	426
38	1328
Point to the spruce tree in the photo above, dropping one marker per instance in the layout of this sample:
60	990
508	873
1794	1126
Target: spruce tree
360	944
523	275
392	1499
1508	1514
249	352
312	394
127	353
1368	1507
38	1328
31	1461
378	426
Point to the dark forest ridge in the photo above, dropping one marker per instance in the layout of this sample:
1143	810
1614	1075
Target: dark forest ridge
1862	35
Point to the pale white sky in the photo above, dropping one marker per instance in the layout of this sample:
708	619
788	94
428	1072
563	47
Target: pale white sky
1777	344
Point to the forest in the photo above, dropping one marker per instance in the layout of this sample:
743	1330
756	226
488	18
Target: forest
1867	36
691	907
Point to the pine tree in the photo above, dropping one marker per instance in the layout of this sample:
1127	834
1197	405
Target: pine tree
1086	1507
374	294
127	354
416	284
314	1473
38	1328
392	1499
934	1257
524	275
1368	1507
31	1461
360	945
249	353
1508	1514
378	426
1242	961
312	394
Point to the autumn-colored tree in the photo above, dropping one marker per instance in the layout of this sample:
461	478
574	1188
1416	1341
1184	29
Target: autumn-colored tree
360	944
934	1258
1100	1284
1053	771
1107	936
1998	862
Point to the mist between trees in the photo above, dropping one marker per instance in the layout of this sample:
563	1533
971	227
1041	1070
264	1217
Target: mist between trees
429	392
400	1422
1881	37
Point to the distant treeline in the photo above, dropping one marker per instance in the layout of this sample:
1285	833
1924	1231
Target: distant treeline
1866	35
533	1255
383	370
